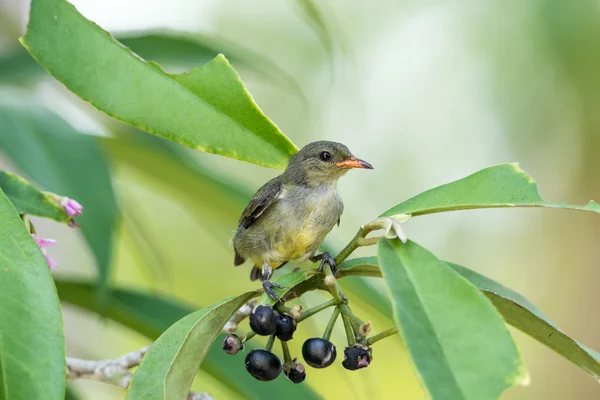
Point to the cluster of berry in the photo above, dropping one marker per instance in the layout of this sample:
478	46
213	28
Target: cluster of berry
317	352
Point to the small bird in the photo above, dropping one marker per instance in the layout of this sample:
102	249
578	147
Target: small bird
290	215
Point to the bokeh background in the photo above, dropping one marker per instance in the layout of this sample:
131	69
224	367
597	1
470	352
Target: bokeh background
428	92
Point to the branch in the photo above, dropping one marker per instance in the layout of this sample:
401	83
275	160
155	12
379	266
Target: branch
391	226
116	371
239	316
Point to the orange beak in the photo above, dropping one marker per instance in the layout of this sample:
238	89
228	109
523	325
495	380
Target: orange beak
354	162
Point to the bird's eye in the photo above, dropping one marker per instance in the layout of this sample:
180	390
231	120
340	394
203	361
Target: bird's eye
325	156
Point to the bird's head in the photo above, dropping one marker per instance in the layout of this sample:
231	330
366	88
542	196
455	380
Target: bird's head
322	162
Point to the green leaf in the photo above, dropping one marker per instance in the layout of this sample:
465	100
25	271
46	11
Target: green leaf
457	339
501	186
169	367
523	315
170	48
30	200
361	266
187	50
207	108
32	344
514	307
62	160
151	315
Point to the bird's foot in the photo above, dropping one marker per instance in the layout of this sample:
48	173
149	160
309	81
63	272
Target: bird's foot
269	286
326	258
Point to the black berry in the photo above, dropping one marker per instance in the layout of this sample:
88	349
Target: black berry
263	365
284	327
356	358
232	344
262	320
318	353
294	371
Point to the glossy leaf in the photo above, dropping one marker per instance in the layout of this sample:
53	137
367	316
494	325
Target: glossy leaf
151	315
361	266
62	160
505	185
32	345
514	307
169	367
208	108
170	48
28	199
458	341
189	50
523	315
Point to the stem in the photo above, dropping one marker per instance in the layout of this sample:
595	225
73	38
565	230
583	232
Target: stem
350	247
270	343
382	335
286	352
349	333
333	287
331	324
312	311
359	239
249	336
281	308
353	320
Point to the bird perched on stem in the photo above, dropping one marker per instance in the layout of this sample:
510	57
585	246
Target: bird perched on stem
289	216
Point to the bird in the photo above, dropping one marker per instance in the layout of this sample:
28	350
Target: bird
290	215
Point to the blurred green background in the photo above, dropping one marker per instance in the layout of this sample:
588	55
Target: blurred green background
427	92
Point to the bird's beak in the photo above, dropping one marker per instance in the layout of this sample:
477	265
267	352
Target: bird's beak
354	162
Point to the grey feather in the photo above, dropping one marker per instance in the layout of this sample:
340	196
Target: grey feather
261	200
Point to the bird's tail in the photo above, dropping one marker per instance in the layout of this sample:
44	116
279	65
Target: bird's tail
255	274
238	260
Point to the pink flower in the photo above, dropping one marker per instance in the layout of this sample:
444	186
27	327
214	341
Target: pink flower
71	207
43	243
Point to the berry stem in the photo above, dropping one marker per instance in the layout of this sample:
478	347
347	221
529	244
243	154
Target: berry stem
270	343
359	241
353	320
333	287
382	335
312	311
331	324
286	352
249	336
349	333
281	308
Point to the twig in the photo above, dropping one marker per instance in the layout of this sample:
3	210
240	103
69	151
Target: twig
114	371
391	226
239	316
382	335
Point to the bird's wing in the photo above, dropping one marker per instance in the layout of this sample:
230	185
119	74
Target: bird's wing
262	200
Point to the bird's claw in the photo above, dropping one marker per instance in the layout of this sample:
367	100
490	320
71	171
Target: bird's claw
327	258
269	286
